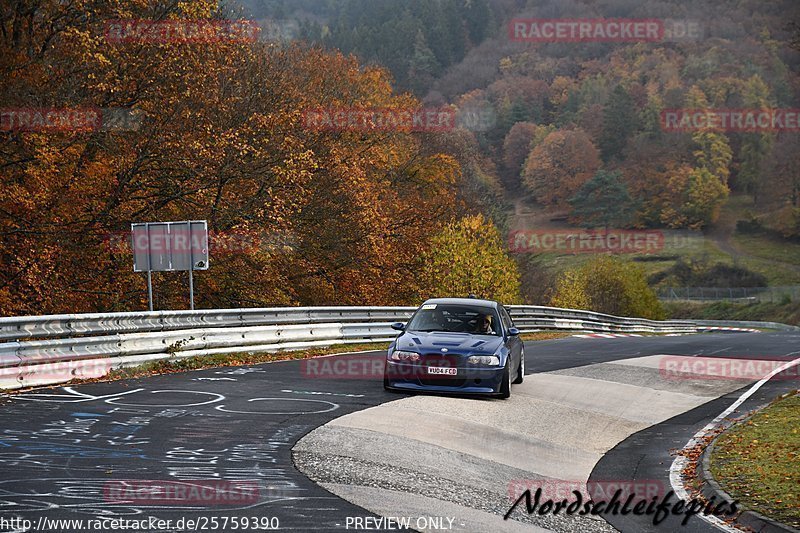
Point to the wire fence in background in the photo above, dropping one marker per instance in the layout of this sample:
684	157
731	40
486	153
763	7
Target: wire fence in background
784	294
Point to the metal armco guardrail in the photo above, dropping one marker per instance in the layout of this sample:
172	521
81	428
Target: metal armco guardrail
40	350
707	324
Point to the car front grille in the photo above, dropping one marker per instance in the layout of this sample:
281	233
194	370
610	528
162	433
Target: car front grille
444	360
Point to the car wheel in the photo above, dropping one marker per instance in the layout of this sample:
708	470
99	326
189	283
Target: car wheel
521	371
386	382
505	385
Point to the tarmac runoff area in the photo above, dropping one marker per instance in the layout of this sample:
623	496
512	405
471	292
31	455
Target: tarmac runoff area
437	456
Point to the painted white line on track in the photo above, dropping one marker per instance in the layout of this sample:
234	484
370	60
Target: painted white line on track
720	350
606	335
675	471
345	353
319	393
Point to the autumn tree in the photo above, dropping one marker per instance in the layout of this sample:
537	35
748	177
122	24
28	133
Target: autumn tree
590	119
706	186
782	184
571	291
326	217
520	99
713	154
559	166
469	257
517	146
780	171
608	285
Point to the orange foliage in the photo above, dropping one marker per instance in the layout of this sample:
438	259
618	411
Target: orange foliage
560	165
336	217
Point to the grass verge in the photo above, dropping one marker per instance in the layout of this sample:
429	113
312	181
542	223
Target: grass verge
758	461
545	335
768	247
788	313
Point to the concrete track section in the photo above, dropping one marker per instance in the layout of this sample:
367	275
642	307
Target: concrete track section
481	454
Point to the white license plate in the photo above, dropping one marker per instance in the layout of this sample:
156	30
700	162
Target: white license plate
442	371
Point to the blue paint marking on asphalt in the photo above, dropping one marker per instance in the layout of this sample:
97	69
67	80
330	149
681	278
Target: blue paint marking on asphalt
82	451
5	444
87	415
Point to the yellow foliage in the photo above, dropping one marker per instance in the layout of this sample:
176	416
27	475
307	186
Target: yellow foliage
468	257
606	284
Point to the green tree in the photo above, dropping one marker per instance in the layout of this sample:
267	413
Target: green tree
479	20
755	147
620	121
469	257
609	285
423	66
603	201
650	118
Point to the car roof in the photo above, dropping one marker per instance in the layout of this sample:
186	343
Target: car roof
463	301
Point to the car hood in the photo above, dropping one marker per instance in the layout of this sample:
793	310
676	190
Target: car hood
454	343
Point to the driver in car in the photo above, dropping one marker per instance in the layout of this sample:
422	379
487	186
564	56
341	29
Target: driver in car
484	325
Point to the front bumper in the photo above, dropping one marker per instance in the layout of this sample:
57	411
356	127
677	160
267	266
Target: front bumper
468	380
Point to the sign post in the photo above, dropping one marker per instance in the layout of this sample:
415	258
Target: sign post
149	290
170	247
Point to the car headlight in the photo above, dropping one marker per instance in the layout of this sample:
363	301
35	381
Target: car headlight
488	360
400	355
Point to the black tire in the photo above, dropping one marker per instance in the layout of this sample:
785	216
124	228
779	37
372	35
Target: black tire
505	385
521	371
386	383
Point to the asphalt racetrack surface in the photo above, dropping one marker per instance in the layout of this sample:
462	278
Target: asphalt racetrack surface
212	450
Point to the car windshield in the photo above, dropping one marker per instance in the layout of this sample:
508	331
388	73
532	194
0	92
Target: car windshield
455	319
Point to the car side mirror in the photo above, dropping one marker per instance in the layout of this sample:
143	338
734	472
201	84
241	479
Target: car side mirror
513	332
399	326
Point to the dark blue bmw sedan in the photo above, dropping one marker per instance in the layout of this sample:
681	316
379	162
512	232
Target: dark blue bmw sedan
458	345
